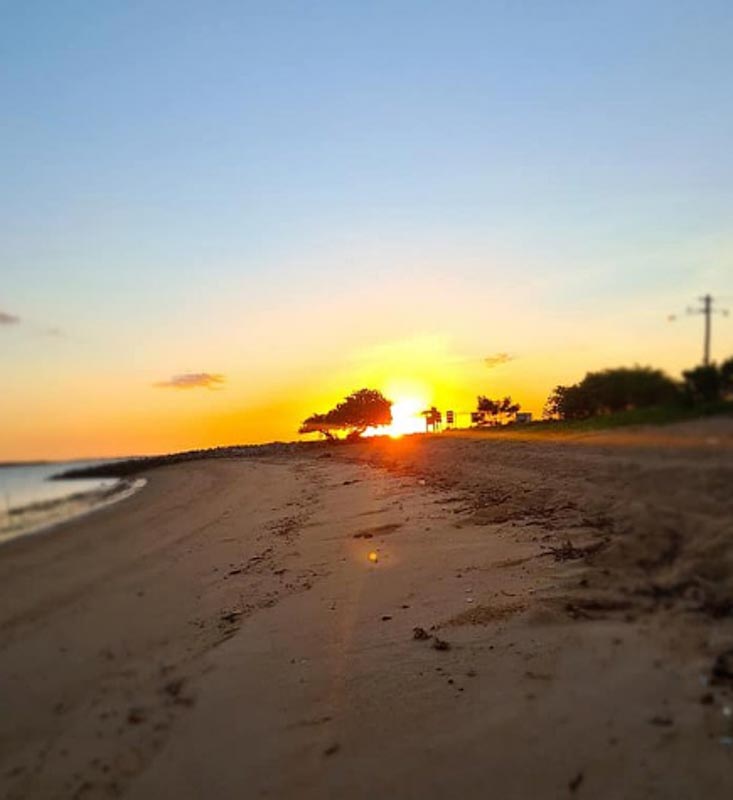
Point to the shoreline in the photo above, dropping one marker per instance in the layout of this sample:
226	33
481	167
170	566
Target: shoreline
46	516
710	432
540	618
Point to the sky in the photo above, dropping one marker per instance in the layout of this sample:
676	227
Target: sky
218	218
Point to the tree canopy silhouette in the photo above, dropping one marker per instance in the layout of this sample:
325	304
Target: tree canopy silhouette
366	408
612	390
496	408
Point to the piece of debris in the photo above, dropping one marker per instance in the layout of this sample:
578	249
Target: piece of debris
537	676
574	784
707	699
386	618
135	716
722	670
440	644
420	634
331	749
231	616
662	722
174	689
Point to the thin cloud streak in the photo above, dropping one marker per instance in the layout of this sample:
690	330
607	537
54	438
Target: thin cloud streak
497	359
193	380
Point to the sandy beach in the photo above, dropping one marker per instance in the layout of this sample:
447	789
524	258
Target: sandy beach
431	617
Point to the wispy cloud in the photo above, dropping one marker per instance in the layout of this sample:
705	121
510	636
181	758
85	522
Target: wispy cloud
55	332
192	380
497	359
8	319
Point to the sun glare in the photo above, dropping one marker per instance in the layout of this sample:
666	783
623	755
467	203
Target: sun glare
405	419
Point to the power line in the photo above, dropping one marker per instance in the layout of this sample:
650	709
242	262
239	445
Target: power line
707	310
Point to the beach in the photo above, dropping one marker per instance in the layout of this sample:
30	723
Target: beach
429	617
33	498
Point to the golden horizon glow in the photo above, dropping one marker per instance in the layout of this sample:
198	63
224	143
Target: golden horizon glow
406	419
97	411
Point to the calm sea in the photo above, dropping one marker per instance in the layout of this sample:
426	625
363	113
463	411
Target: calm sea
26	485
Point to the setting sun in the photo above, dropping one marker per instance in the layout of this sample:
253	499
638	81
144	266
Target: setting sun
406	418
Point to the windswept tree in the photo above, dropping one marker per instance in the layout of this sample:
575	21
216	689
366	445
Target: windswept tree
367	408
495	409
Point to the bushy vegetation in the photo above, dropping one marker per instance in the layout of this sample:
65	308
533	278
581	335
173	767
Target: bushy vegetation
492	411
627	389
363	409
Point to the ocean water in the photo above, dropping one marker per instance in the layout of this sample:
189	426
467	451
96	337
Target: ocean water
28	485
30	501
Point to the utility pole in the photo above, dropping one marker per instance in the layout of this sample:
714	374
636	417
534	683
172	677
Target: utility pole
707	311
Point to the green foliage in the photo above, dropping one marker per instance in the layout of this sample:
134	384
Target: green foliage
363	409
611	391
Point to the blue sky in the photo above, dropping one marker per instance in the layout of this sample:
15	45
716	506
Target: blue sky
171	169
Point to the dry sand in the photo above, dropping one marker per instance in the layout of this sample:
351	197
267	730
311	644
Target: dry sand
224	633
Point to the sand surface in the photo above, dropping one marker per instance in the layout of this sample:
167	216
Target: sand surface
224	634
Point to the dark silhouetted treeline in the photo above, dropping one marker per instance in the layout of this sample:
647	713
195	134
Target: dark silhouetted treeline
628	388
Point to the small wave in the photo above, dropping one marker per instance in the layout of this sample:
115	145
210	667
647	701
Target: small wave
42	515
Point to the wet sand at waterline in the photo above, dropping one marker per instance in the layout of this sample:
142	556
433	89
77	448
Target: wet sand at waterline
424	618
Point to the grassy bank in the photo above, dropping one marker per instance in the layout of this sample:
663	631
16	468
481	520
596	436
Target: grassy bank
660	415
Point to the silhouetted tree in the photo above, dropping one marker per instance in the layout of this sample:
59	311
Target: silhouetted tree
508	407
364	409
496	408
625	388
610	391
703	384
487	406
569	402
726	377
